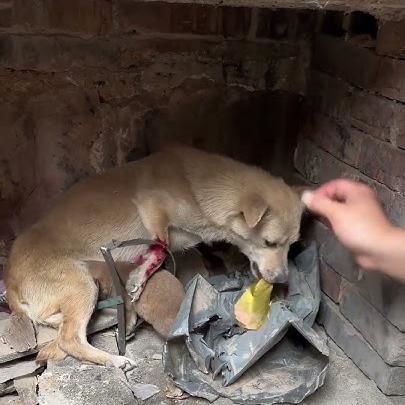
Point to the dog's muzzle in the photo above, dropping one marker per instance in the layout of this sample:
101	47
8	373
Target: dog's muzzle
278	276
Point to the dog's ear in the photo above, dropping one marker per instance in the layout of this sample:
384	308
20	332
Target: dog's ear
253	209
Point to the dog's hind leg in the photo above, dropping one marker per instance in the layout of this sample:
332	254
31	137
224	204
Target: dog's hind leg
78	301
51	351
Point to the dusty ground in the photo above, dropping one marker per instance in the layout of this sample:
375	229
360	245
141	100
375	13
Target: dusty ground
71	383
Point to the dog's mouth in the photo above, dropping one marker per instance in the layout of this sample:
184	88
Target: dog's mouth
254	268
280	277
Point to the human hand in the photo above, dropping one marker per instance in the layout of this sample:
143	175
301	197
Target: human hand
352	211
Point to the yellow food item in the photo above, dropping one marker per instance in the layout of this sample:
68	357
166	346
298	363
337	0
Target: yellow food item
253	306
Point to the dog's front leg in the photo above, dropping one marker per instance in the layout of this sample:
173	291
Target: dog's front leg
131	317
146	265
155	219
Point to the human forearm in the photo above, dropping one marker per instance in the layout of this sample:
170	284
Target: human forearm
390	253
358	221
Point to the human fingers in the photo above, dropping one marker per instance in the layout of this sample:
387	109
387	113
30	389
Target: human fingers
320	204
342	190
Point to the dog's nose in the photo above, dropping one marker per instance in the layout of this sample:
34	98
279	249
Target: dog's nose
281	276
278	276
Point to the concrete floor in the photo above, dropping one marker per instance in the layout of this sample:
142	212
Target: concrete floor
72	383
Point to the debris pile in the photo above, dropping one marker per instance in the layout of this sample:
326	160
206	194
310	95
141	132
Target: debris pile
23	380
200	348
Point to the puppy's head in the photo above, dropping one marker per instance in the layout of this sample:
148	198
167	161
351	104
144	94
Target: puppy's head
268	223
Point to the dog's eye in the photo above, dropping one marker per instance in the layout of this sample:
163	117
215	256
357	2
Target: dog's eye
271	244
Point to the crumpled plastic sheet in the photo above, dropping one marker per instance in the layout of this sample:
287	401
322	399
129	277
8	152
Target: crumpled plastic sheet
209	356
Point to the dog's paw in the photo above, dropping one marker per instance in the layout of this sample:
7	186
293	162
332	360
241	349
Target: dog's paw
131	323
135	292
121	362
50	352
134	285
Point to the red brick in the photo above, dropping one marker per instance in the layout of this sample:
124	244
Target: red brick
391	38
206	20
384	337
318	166
284	23
65	128
360	66
329	95
330	281
392	202
390	79
306	24
332	253
264	23
398	127
357	65
173	56
143	17
236	21
6	11
164	17
384	163
6	231
385	294
280	20
375	115
49	53
87	18
389	379
341	141
182	18
17	177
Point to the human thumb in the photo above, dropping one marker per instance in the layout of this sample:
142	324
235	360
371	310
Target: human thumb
319	204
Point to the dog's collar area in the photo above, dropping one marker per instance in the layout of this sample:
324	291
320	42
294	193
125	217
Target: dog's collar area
118	300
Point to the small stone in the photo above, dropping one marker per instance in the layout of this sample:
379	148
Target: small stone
144	391
20	334
6	388
105	341
157	356
26	388
173	392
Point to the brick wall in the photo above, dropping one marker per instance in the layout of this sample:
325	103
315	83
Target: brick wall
88	85
355	128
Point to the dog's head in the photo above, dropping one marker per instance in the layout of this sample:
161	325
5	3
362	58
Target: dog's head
268	223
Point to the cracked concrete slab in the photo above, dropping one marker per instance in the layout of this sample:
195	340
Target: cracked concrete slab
70	382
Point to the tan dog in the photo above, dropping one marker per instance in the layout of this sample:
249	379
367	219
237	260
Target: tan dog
158	305
181	196
160	300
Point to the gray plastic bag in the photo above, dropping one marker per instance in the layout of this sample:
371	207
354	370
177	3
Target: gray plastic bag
286	360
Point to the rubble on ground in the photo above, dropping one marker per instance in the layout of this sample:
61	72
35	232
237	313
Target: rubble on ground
70	382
